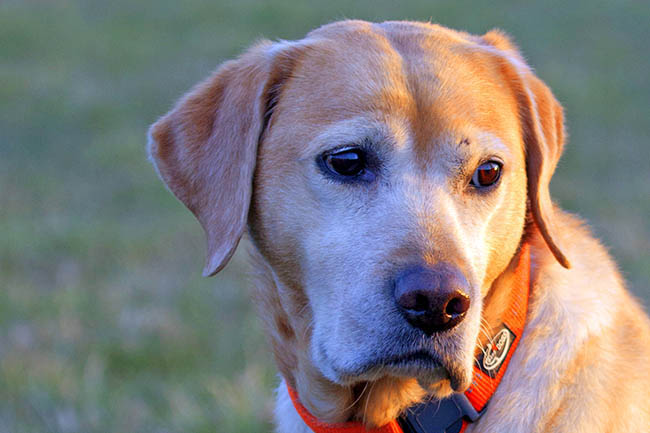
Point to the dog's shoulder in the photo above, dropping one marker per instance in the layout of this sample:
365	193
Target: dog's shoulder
592	293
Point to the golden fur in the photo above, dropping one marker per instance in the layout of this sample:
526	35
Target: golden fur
433	103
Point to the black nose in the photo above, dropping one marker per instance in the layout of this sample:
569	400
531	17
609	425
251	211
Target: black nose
432	298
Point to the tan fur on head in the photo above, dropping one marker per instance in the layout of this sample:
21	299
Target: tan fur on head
244	149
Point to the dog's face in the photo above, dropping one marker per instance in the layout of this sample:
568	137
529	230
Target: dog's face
393	165
375	173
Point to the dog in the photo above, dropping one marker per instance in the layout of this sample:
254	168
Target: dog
391	178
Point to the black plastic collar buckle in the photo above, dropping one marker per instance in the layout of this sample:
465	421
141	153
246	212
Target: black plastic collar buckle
439	416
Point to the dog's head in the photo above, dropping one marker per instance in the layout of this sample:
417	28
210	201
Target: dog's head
385	173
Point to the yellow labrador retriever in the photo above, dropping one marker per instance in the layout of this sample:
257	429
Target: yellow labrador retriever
390	177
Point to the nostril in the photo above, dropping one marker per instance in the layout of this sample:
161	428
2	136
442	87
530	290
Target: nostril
421	302
457	305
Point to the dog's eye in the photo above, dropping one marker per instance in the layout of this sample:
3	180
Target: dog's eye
486	174
348	163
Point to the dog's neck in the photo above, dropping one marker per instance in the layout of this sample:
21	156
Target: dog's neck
374	403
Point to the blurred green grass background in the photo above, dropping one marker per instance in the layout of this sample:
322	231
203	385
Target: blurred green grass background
105	322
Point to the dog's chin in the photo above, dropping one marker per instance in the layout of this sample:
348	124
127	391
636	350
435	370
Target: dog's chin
444	382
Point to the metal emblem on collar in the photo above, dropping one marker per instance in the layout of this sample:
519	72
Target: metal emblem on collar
496	351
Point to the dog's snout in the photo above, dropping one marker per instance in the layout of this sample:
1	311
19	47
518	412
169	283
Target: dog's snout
432	298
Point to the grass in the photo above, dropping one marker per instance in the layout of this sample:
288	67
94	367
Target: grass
105	322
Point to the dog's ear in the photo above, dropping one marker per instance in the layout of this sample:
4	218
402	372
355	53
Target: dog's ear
205	148
542	127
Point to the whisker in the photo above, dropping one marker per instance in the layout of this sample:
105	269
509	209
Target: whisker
365	408
358	398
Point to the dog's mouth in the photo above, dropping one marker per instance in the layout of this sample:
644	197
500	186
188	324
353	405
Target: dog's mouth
420	360
426	367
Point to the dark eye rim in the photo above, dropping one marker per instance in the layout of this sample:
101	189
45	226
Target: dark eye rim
485	188
367	174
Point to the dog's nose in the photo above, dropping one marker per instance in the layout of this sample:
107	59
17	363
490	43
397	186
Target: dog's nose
432	298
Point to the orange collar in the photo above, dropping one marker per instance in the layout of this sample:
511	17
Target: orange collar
453	414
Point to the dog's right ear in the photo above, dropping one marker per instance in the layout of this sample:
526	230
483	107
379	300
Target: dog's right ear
205	148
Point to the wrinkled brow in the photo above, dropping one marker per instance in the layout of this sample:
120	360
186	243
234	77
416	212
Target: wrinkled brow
358	131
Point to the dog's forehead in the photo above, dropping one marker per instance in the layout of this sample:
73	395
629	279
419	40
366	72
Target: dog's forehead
436	81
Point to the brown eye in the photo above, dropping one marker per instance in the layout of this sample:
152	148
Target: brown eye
348	163
486	174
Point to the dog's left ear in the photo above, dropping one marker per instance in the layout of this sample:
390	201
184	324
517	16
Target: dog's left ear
205	148
542	127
